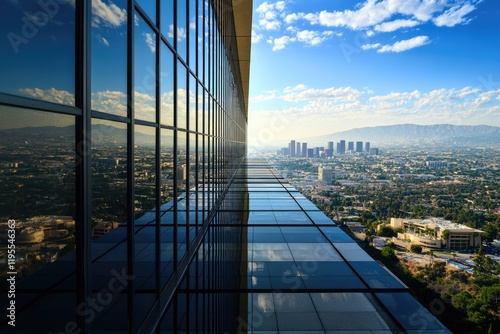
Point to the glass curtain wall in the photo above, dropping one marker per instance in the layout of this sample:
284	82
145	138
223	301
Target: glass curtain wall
121	128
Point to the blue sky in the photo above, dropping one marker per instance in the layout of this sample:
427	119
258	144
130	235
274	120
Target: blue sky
320	67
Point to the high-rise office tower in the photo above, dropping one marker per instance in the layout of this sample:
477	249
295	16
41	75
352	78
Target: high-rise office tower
350	146
304	149
292	148
359	146
341	149
330	147
297	151
127	193
325	174
367	146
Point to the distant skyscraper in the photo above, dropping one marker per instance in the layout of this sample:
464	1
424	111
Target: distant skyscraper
310	152
367	146
330	145
359	146
373	151
325	174
341	149
297	152
304	149
350	146
292	148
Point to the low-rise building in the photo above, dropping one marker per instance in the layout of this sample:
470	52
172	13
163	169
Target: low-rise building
437	233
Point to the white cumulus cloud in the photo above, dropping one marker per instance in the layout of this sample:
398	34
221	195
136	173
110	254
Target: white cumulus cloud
106	13
395	25
454	16
405	45
50	95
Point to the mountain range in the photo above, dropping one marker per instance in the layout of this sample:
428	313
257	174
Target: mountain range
472	135
415	134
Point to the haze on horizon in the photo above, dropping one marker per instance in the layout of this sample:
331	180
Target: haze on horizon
320	67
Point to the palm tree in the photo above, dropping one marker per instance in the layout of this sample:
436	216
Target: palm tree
445	236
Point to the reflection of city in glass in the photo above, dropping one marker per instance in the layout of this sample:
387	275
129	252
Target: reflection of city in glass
37	179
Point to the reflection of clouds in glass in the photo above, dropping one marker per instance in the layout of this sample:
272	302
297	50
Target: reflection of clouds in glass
181	33
102	40
167	100
50	95
112	102
150	41
109	15
144	106
265	303
181	98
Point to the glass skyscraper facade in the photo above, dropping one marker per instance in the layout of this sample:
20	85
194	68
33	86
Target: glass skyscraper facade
128	204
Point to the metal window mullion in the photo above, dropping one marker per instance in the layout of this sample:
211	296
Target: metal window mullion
130	163
83	197
158	153
188	118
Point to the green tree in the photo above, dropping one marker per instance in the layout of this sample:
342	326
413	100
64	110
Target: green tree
445	236
388	252
416	249
386	231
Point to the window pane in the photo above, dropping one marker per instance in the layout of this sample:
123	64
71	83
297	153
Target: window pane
109	176
182	184
192	34
181	96
167	20
37	196
167	86
149	7
192	103
145	221
109	57
167	206
37	49
109	213
181	28
200	109
145	71
145	174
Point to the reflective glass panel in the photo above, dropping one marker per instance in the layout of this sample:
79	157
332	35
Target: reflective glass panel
182	96
145	175
167	86
109	176
37	49
37	213
145	71
167	185
109	71
192	35
182	184
192	103
199	39
149	7
167	20
37	186
182	28
200	110
109	213
145	221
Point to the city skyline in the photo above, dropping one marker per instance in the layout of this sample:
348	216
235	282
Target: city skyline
324	67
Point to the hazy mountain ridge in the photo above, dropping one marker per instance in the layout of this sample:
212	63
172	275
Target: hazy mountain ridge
101	134
408	133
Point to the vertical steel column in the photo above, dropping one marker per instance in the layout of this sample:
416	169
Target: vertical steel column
83	239
130	164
